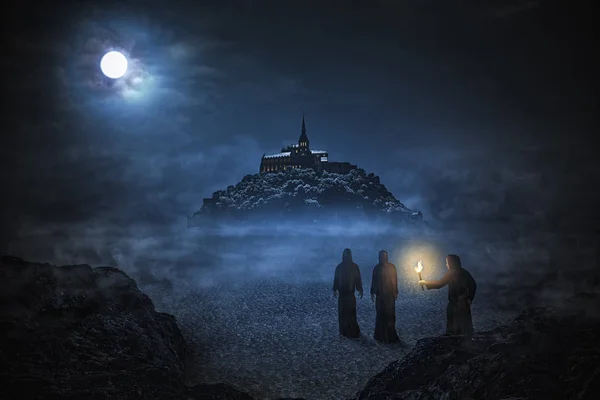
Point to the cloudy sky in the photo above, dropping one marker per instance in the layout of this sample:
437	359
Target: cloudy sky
466	109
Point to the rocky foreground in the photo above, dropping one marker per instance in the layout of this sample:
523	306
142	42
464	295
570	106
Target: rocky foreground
543	354
78	332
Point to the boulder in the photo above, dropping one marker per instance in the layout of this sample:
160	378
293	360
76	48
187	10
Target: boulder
545	353
77	332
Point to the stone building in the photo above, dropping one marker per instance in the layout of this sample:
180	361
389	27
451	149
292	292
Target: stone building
302	156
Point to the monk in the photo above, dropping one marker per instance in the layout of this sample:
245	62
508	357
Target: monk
384	292
461	292
347	280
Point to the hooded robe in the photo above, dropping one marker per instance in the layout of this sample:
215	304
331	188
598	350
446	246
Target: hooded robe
385	287
461	292
347	280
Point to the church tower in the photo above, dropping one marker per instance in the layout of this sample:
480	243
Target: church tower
303	143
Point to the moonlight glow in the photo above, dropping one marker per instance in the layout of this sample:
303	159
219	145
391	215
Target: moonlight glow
113	64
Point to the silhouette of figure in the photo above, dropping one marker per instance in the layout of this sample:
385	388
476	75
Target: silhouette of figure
347	280
461	292
384	292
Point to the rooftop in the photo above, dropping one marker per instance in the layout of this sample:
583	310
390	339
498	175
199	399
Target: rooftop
287	153
284	154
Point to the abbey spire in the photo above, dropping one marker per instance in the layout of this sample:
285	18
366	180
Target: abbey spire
303	140
300	156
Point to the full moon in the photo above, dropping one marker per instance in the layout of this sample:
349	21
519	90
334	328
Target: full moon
113	64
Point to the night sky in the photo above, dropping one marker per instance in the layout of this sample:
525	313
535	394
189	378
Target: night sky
468	110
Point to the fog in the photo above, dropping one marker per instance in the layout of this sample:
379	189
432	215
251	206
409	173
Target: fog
498	254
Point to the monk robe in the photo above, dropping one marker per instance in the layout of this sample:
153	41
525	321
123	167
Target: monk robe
384	287
461	292
347	280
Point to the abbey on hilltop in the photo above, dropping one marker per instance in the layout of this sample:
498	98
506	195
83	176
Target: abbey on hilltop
301	156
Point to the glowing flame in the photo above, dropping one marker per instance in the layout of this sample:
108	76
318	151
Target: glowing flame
419	266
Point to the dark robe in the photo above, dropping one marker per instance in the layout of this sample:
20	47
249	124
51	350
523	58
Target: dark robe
461	292
385	287
347	280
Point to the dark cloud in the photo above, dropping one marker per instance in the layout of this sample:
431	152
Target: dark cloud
511	8
437	102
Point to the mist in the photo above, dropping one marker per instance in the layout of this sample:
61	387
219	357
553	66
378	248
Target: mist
502	256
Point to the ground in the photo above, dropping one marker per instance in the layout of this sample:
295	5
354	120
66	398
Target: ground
281	340
275	334
257	311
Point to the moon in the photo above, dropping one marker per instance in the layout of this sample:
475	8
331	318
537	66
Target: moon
113	64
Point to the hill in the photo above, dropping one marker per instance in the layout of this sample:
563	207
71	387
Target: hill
305	193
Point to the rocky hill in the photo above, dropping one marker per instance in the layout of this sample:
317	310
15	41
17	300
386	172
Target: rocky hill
544	354
77	332
303	192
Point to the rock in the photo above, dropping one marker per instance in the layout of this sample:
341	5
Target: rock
544	353
77	332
